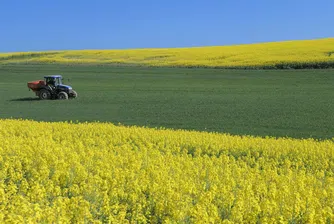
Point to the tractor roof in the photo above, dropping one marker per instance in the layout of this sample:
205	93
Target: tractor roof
53	76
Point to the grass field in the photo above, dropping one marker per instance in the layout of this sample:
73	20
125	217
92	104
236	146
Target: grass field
278	55
295	103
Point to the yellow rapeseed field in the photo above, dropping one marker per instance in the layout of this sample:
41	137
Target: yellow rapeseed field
289	54
99	172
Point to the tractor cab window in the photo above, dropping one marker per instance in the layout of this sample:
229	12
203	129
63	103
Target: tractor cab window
58	81
53	81
50	81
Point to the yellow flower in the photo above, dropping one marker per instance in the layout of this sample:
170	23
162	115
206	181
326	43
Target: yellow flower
99	173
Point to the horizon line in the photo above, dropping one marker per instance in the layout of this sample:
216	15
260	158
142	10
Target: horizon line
156	48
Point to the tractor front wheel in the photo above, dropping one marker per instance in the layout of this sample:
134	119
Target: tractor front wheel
44	94
63	96
74	94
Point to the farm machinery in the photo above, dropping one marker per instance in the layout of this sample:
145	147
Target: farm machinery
52	88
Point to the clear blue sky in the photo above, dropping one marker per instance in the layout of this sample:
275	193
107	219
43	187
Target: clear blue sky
34	25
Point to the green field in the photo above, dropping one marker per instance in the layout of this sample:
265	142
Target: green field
294	103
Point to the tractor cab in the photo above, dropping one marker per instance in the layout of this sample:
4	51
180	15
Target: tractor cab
53	80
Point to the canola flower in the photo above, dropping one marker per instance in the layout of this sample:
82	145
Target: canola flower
102	173
276	55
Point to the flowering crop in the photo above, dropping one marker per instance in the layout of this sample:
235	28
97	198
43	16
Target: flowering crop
277	55
98	172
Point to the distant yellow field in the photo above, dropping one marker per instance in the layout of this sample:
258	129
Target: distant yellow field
289	54
102	173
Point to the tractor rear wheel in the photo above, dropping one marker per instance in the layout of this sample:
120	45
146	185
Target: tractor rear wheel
63	96
44	94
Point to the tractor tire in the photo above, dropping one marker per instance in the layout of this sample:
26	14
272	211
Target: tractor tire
74	94
62	96
44	94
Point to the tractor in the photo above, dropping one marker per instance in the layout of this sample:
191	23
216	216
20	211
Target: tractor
52	88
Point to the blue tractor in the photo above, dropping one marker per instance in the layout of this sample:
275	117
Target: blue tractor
52	88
